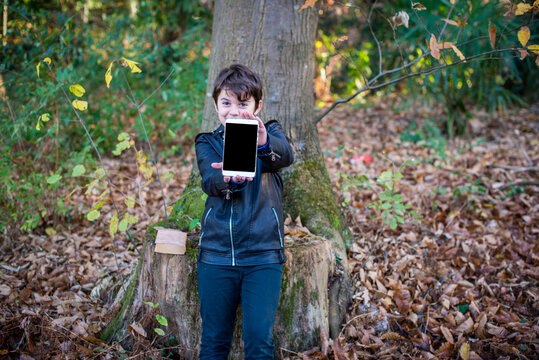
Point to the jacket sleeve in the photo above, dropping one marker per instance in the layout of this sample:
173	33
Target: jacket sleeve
212	179
278	153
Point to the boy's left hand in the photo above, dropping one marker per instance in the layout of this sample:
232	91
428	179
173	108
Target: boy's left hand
237	178
262	135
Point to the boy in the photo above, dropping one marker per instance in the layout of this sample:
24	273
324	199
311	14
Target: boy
241	252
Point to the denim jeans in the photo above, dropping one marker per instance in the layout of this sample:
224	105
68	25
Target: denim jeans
221	288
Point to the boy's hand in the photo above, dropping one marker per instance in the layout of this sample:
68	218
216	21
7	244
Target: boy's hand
262	135
237	178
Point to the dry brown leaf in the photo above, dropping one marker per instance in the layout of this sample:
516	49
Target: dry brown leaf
434	50
447	334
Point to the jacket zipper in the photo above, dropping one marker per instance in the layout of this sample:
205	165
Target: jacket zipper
231	239
205	220
278	226
273	155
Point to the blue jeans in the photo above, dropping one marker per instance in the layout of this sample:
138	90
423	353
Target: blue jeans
220	289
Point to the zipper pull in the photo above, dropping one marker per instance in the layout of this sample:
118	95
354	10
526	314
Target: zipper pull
227	194
274	155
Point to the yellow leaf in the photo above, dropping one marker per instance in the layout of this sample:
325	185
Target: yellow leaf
37	68
534	48
536	3
308	3
77	90
524	35
445	45
50	231
459	54
464	351
45	117
492	35
38	127
47	60
113	228
108	74
434	51
522	8
129	202
132	65
80	105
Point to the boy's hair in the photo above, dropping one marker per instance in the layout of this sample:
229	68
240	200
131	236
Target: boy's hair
240	80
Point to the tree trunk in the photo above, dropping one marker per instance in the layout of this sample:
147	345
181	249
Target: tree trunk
277	42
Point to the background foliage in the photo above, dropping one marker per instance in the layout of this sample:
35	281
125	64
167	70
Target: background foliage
83	37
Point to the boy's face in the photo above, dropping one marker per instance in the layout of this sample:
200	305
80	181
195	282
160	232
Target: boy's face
228	106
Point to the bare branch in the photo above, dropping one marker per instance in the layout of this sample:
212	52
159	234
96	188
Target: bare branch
133	101
422	72
375	38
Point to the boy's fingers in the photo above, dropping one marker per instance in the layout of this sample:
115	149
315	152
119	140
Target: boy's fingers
226	179
217	165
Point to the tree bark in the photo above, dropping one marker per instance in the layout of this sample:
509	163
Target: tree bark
275	40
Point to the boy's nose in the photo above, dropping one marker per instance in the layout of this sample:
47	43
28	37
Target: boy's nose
234	110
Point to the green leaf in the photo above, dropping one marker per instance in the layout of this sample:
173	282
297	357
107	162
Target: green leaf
78	170
123	224
123	136
99	204
393	224
193	223
168	176
91	186
93	215
463	308
400	219
53	179
171	133
151	304
162	320
159	331
386	206
132	219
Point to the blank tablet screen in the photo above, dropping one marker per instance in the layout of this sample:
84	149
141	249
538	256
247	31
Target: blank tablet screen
240	147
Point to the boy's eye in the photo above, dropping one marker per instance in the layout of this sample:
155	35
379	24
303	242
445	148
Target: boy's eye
225	103
243	104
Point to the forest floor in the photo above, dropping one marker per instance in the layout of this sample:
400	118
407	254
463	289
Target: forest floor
461	282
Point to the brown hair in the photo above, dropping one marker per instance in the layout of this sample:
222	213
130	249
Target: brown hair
240	80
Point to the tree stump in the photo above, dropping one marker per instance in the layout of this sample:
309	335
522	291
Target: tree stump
171	281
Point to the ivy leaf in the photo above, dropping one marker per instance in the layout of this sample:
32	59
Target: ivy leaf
108	74
162	320
78	170
77	90
159	331
53	179
524	35
80	104
93	215
113	228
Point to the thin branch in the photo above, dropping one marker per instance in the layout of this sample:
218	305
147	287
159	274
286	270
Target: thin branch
157	89
375	38
133	101
519	183
368	86
514	168
89	137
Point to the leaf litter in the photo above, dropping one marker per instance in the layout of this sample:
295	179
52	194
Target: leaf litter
462	284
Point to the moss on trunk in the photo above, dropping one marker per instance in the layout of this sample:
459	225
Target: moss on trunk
308	193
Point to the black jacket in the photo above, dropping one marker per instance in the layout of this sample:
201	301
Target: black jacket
242	224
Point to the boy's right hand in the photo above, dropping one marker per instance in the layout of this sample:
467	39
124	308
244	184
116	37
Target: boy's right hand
236	178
